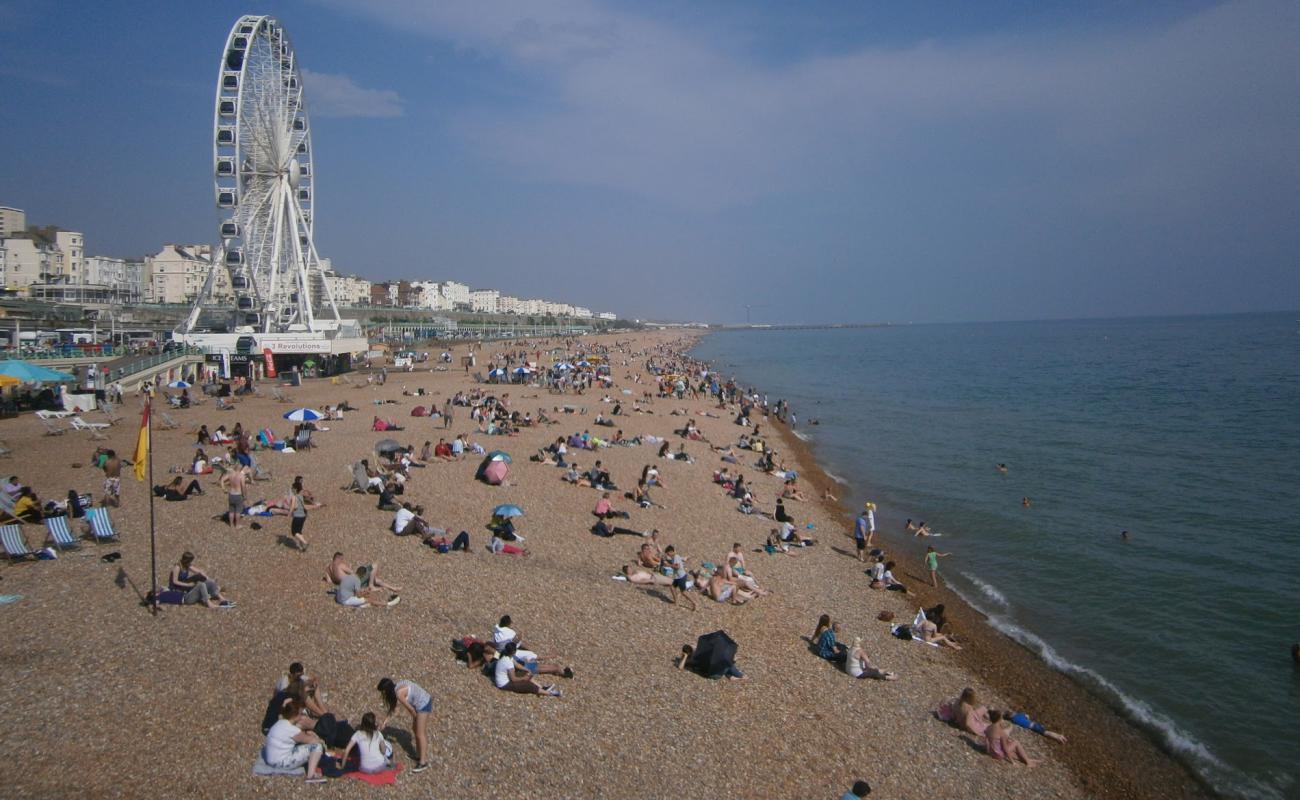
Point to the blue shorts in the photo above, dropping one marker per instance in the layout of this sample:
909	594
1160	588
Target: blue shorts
531	666
428	707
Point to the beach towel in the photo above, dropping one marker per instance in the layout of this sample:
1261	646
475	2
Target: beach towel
386	778
260	767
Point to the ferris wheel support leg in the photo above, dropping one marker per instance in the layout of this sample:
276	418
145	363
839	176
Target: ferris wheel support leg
273	279
302	276
218	258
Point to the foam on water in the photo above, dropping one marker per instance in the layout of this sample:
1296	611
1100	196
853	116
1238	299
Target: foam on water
988	590
1220	775
803	437
836	478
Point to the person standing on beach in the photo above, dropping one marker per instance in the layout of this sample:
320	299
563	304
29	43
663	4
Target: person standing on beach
112	479
446	413
861	529
932	557
233	481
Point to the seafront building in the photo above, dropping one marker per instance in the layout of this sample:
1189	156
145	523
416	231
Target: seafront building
50	264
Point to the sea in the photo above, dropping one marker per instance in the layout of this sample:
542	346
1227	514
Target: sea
1184	432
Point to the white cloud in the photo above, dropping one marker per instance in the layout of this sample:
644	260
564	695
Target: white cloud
680	115
340	96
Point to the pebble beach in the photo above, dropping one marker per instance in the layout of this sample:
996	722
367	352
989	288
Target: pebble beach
107	700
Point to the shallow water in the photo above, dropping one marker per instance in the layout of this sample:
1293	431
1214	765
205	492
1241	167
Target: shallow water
1183	431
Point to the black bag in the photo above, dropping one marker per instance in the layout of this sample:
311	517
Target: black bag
335	732
903	632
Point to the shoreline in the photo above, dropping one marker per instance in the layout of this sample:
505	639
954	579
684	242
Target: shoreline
1110	755
796	725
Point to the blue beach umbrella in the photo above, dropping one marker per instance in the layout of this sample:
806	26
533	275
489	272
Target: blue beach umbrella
499	455
303	415
497	373
522	370
179	385
33	373
507	511
584	363
563	365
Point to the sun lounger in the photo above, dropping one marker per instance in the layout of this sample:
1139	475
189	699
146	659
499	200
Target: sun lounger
60	534
53	414
101	525
15	544
52	428
110	413
166	422
80	424
5	452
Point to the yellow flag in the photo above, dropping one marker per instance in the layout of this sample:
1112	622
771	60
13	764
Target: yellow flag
142	445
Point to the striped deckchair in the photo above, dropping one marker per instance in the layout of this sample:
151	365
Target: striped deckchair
101	525
15	544
58	530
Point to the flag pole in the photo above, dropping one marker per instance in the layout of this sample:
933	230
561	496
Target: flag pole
153	540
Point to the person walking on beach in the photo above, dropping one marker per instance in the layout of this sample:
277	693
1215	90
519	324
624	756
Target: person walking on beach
862	528
446	411
932	557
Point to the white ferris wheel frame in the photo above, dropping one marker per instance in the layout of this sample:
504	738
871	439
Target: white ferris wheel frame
264	185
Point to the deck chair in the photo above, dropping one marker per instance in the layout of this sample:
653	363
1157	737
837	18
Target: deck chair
7	508
279	396
110	413
15	544
52	428
167	423
81	425
53	414
60	534
101	525
360	480
5	452
303	440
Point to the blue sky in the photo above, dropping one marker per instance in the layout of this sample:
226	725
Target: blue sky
842	161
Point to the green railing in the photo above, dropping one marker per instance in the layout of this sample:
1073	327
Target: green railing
150	362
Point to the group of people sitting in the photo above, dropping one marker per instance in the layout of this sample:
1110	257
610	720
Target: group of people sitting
731	582
853	659
993	726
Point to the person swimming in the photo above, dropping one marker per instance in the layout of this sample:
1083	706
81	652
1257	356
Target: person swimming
1002	468
1024	501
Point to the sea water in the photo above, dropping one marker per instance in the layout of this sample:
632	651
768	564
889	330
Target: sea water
1185	432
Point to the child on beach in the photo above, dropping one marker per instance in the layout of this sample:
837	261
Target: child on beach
932	557
374	751
1000	745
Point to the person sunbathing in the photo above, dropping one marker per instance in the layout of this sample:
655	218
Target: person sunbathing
367	574
650	555
174	492
1000	745
968	714
1022	720
734	571
515	676
928	632
791	491
828	645
605	510
725	591
635	574
857	664
498	545
195	583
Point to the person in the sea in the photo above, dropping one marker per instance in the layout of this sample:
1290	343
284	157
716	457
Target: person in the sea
932	557
1024	501
1002	468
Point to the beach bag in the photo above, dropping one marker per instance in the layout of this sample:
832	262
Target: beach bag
945	712
333	731
903	632
884	616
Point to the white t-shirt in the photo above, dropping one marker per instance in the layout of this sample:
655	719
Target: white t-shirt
279	741
504	671
502	636
400	520
878	571
375	751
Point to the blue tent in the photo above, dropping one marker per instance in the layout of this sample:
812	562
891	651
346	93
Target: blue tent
33	373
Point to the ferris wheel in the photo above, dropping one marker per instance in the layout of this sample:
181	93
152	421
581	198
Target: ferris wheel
265	185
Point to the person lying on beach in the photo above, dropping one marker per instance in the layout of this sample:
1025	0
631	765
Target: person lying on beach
1021	719
1000	745
686	660
515	676
497	546
409	521
857	665
775	545
928	632
635	574
827	495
